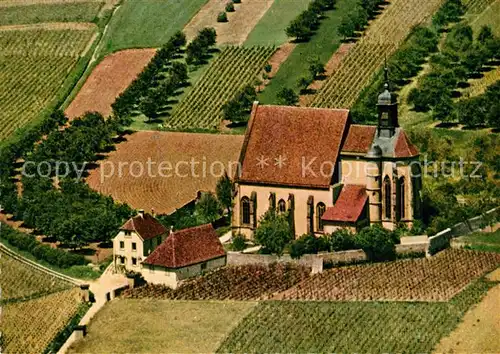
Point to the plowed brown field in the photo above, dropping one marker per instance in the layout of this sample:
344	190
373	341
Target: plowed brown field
165	170
109	78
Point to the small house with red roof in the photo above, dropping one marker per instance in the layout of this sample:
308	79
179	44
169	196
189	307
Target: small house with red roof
325	171
184	254
136	239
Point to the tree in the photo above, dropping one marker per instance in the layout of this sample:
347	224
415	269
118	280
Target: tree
316	68
347	27
299	30
207	37
230	7
179	73
378	243
460	38
485	35
445	111
178	39
287	97
208	207
303	83
222	17
224	191
273	232
149	107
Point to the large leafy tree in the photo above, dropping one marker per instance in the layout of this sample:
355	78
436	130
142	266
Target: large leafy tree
273	232
224	191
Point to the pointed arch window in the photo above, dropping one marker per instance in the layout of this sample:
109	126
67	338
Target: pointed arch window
401	199
245	211
310	214
387	197
281	206
320	210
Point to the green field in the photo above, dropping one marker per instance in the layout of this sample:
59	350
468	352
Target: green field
483	241
148	23
37	13
34	64
271	28
161	326
321	46
350	327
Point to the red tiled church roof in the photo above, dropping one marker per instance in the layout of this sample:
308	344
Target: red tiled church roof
294	136
359	139
404	148
349	205
186	247
145	225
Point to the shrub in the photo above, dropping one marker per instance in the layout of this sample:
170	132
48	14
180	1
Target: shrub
307	244
341	240
274	232
268	68
29	243
239	243
222	17
378	243
230	7
287	97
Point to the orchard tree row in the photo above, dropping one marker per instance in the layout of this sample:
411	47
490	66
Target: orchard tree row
357	19
165	74
462	56
56	202
304	25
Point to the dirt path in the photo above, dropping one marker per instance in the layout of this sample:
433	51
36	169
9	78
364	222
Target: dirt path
278	58
82	26
330	68
240	22
479	331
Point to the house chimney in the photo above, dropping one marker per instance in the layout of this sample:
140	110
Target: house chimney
141	213
171	229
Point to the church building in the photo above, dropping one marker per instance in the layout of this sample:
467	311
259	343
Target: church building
325	171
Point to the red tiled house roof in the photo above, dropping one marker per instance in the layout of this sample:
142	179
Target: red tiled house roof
349	205
296	135
359	139
186	247
404	148
145	225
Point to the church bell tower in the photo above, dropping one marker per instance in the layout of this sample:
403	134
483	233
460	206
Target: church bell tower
387	111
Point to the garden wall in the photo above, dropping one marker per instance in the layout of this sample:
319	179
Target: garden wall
409	245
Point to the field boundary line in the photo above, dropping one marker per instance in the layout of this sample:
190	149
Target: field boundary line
51	26
39	267
14	3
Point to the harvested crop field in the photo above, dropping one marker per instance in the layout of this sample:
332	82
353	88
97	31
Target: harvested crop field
240	22
145	326
109	78
180	165
427	279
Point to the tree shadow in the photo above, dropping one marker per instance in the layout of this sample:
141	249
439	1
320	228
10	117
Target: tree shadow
447	125
234	125
463	84
105	244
